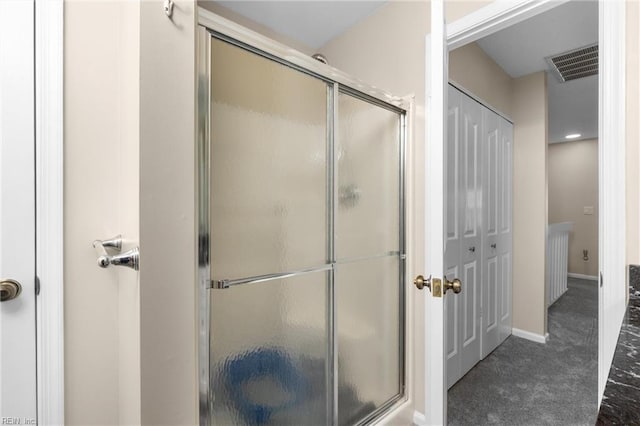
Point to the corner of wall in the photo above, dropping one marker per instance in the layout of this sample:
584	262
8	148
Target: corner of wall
530	203
168	301
478	73
101	94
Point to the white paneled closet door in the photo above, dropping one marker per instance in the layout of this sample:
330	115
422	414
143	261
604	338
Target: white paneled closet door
497	243
471	226
478	182
504	243
492	284
463	180
452	237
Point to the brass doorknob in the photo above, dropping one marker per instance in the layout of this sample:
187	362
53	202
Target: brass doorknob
9	289
455	285
421	282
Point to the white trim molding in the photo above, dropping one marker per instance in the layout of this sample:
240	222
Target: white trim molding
582	276
612	185
435	394
49	38
494	17
538	338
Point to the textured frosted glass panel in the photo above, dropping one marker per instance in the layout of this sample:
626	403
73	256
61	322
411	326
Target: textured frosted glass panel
268	166
367	215
269	352
368	329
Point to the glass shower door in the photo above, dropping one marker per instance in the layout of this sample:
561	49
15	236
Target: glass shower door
368	246
268	227
301	244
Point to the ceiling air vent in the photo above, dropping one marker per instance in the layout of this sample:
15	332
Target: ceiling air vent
575	64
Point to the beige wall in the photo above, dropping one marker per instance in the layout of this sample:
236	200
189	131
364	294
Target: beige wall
530	202
573	184
633	133
102	369
473	70
168	304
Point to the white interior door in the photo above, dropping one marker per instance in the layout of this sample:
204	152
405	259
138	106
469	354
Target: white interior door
17	214
490	261
437	111
463	231
496	246
452	234
505	236
471	232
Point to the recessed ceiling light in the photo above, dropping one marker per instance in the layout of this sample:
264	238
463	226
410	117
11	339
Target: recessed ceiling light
573	136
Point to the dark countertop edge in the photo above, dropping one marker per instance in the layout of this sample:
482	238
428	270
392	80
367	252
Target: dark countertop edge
621	400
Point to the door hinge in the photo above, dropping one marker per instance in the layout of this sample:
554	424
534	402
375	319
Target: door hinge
37	286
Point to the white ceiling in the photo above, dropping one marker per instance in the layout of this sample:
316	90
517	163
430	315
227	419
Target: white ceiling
521	49
312	22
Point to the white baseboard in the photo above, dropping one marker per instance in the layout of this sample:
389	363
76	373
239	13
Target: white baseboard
582	276
538	338
419	419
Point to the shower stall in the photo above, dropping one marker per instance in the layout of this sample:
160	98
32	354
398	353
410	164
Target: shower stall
301	237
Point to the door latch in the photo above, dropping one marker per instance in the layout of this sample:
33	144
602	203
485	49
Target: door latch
435	285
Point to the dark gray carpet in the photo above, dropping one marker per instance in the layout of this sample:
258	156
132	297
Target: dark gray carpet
527	383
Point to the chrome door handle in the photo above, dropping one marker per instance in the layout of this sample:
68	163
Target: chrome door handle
493	246
472	249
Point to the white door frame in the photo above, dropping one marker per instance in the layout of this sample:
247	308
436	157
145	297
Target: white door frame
49	61
487	20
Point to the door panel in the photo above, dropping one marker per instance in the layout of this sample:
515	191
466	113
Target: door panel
369	332
451	177
367	248
268	210
268	349
453	236
17	213
306	305
504	240
470	247
433	319
471	323
497	243
368	159
452	335
492	282
463	180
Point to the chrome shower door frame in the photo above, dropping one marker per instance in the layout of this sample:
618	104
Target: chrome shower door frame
211	25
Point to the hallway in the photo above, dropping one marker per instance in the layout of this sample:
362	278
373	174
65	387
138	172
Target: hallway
526	383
